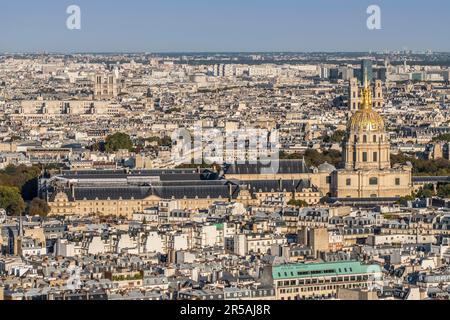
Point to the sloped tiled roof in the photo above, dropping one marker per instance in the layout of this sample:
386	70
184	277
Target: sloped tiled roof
283	167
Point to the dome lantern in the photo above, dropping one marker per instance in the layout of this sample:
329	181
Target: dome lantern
366	119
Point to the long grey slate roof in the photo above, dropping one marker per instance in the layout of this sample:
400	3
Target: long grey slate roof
164	192
269	185
164	175
284	167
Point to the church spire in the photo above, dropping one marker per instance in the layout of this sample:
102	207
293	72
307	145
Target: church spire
366	96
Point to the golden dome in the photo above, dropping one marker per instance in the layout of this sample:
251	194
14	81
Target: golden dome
366	119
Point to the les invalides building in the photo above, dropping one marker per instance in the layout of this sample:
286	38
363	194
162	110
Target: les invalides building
367	171
366	175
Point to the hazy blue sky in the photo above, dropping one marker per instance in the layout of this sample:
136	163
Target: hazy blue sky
227	25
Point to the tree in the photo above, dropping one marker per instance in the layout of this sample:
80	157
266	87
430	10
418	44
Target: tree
298	203
166	141
404	200
336	137
172	110
22	177
442	138
290	156
97	146
316	158
426	192
203	165
444	191
439	167
118	141
11	200
38	207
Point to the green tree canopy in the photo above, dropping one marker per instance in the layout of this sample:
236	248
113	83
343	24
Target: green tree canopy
404	200
444	191
22	177
298	203
38	207
315	158
11	200
165	141
336	137
118	141
442	138
439	167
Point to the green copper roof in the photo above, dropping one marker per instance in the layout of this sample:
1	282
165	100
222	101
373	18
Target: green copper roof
219	226
301	270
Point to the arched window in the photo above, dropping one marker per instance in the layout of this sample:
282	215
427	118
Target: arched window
374	138
373	181
364	139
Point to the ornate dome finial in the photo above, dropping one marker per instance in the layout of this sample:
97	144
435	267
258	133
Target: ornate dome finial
366	102
366	119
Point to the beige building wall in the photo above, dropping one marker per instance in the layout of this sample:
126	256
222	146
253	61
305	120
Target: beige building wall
78	107
127	207
8	147
356	294
361	184
36	233
316	238
319	241
143	162
320	180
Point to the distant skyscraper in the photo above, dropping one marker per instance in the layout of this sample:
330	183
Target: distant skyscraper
334	73
366	71
347	73
223	70
381	74
324	72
